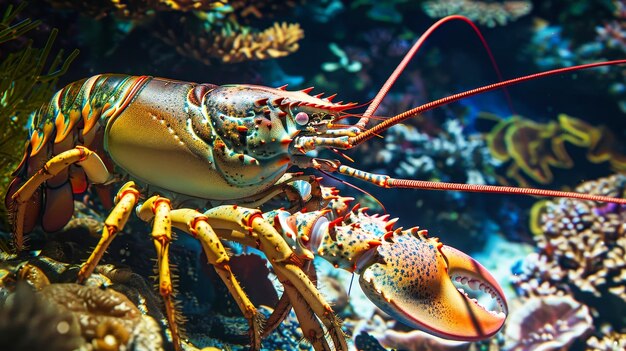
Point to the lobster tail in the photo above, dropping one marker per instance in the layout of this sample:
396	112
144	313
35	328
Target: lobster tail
50	173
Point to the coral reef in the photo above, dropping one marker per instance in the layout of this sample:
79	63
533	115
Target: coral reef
134	9
534	148
451	155
547	323
586	240
231	44
578	267
611	341
580	258
573	37
490	14
203	30
29	322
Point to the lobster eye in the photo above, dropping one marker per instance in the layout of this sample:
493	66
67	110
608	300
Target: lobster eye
302	118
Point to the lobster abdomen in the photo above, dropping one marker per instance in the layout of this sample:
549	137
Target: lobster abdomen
76	115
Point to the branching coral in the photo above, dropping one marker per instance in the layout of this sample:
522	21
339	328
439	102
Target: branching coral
201	29
490	14
233	43
534	148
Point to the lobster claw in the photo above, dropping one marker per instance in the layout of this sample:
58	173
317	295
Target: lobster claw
413	278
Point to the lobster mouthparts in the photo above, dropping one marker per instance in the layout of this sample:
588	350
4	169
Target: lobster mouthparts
413	279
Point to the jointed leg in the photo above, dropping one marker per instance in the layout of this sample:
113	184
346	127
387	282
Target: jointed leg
126	199
311	329
81	155
282	258
315	300
195	223
162	236
281	310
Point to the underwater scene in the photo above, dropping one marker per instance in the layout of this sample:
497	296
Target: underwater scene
313	175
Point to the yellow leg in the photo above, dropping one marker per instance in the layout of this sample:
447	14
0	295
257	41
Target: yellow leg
53	167
126	200
162	237
281	256
195	223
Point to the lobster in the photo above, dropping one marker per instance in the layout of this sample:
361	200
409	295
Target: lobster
234	144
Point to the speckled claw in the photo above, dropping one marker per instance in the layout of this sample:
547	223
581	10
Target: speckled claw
413	279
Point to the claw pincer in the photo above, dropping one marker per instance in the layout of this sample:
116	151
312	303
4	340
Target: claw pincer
406	274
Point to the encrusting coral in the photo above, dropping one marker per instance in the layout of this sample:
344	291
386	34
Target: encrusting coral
490	14
66	316
534	148
547	323
29	322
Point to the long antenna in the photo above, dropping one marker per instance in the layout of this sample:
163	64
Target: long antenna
362	123
381	127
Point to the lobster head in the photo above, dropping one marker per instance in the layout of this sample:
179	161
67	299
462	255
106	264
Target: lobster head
427	285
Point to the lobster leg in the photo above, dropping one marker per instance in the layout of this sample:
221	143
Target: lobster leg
283	259
195	223
126	199
162	237
281	310
308	323
95	169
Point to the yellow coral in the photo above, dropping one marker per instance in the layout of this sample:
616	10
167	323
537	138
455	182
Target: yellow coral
277	41
535	148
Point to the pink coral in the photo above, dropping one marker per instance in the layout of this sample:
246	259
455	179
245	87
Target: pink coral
547	323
